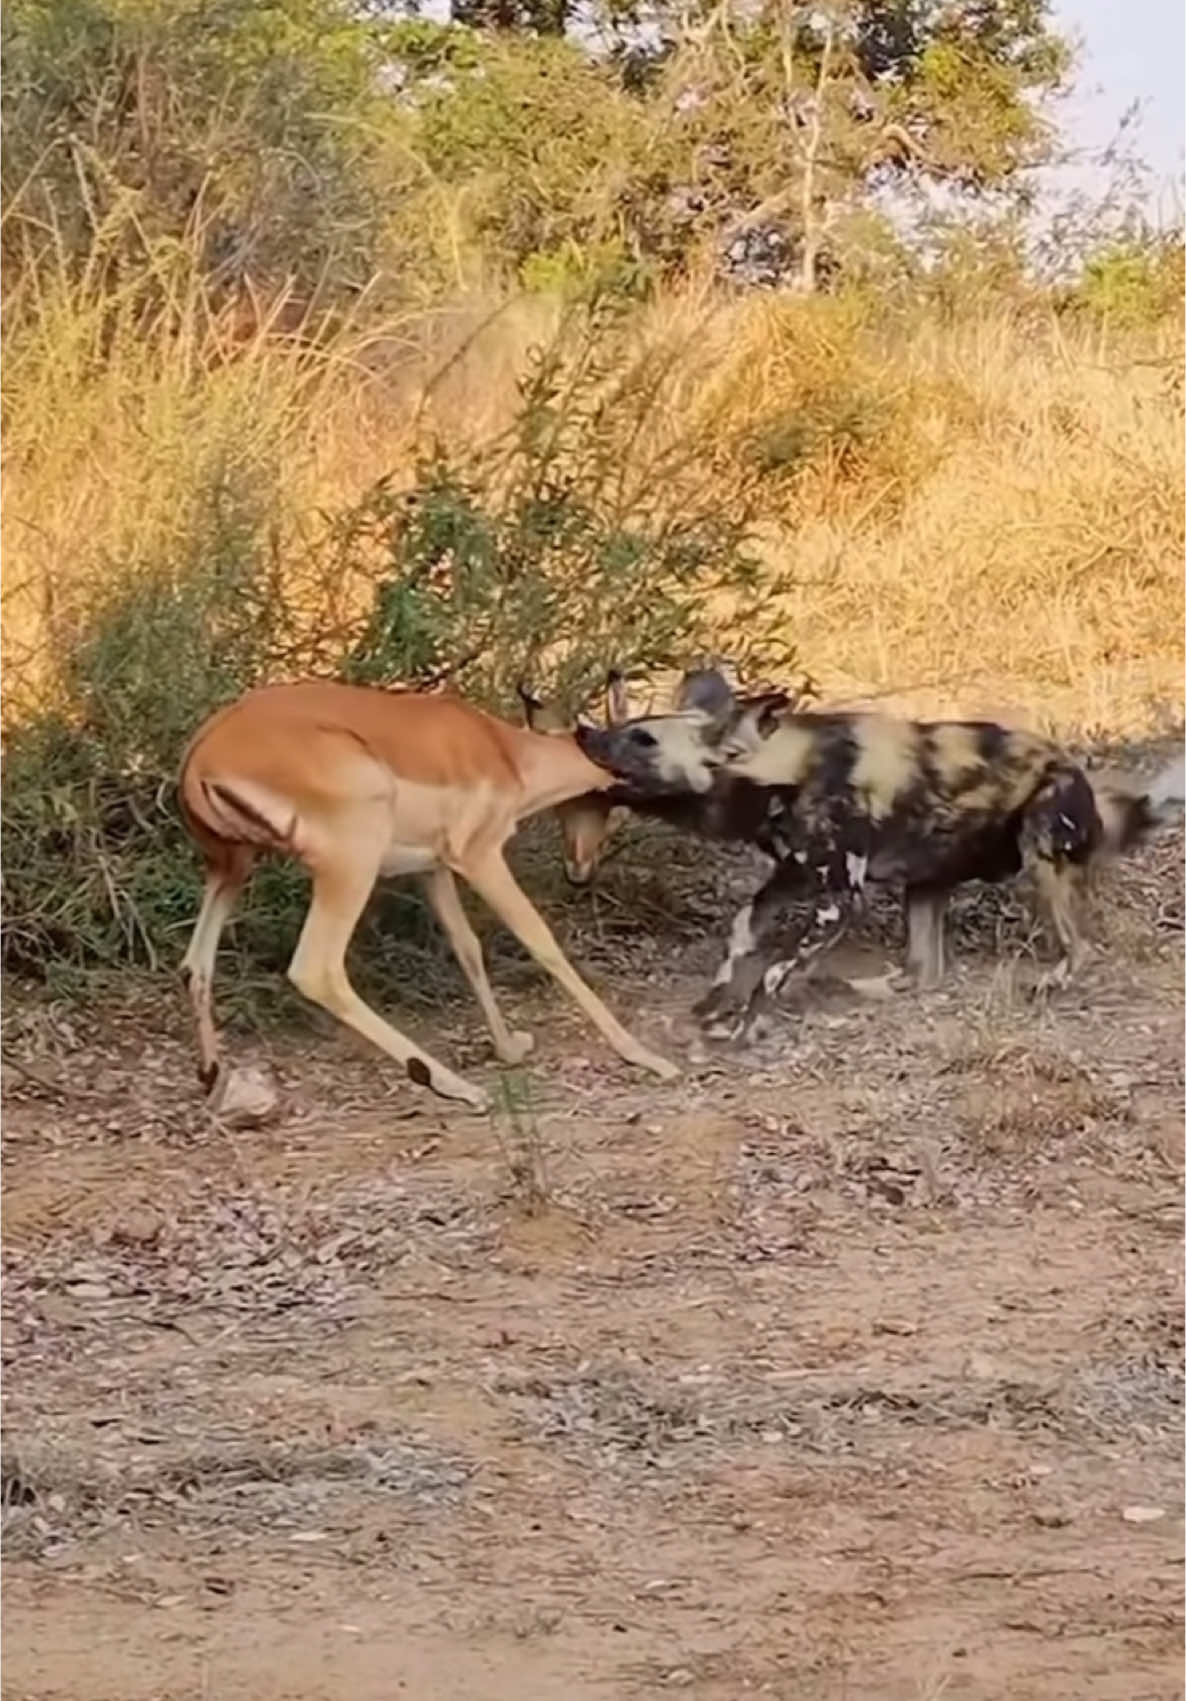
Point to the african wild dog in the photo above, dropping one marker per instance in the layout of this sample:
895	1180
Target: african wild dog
841	799
720	812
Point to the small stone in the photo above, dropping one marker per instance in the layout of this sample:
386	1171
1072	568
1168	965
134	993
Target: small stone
137	1228
1142	1514
89	1290
245	1098
679	1677
980	1367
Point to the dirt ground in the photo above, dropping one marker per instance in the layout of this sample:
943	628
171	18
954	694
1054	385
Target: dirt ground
849	1367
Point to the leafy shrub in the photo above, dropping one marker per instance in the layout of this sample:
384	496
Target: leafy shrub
586	535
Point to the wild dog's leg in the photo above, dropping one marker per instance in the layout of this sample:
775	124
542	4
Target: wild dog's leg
797	947
759	976
745	961
1057	886
925	910
1060	830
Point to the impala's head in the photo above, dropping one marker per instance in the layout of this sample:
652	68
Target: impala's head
673	754
587	822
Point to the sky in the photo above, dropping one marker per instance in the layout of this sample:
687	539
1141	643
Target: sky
1132	49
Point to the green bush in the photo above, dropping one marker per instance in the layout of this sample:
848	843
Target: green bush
588	535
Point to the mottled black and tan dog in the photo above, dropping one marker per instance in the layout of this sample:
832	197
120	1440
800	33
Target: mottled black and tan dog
842	799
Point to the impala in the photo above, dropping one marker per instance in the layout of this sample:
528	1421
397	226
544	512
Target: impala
356	782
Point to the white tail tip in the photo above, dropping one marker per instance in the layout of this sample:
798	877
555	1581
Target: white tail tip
1169	788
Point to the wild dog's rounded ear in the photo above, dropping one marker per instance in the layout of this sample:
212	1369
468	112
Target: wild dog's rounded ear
768	711
755	721
617	707
706	689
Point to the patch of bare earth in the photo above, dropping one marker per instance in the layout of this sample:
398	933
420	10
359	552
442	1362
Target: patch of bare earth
850	1366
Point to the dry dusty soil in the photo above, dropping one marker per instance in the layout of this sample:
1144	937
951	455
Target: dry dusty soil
849	1367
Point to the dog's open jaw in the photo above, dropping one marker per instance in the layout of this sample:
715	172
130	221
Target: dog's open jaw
659	754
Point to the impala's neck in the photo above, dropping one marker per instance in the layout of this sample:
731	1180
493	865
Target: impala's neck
553	768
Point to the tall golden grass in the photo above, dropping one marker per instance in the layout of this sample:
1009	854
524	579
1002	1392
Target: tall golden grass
979	516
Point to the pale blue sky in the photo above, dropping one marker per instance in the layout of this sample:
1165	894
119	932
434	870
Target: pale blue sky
1132	48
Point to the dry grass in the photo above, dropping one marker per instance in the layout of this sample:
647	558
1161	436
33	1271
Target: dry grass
980	516
878	1322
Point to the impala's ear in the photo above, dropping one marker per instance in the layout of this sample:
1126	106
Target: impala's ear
532	706
617	708
540	716
706	689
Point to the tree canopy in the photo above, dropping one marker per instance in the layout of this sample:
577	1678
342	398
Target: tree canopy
316	142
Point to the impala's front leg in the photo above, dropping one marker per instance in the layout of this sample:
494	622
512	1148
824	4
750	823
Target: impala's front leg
341	887
511	1046
492	879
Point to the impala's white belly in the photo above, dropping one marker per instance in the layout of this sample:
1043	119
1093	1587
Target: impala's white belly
407	859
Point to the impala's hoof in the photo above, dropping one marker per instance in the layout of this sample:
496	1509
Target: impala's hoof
445	1084
519	1047
659	1066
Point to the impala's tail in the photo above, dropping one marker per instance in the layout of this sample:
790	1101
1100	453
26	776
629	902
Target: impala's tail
225	813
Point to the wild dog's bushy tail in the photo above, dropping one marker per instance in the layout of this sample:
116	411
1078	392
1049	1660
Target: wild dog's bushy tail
1128	816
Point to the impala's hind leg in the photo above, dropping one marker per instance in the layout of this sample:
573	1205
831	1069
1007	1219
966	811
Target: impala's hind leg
226	875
